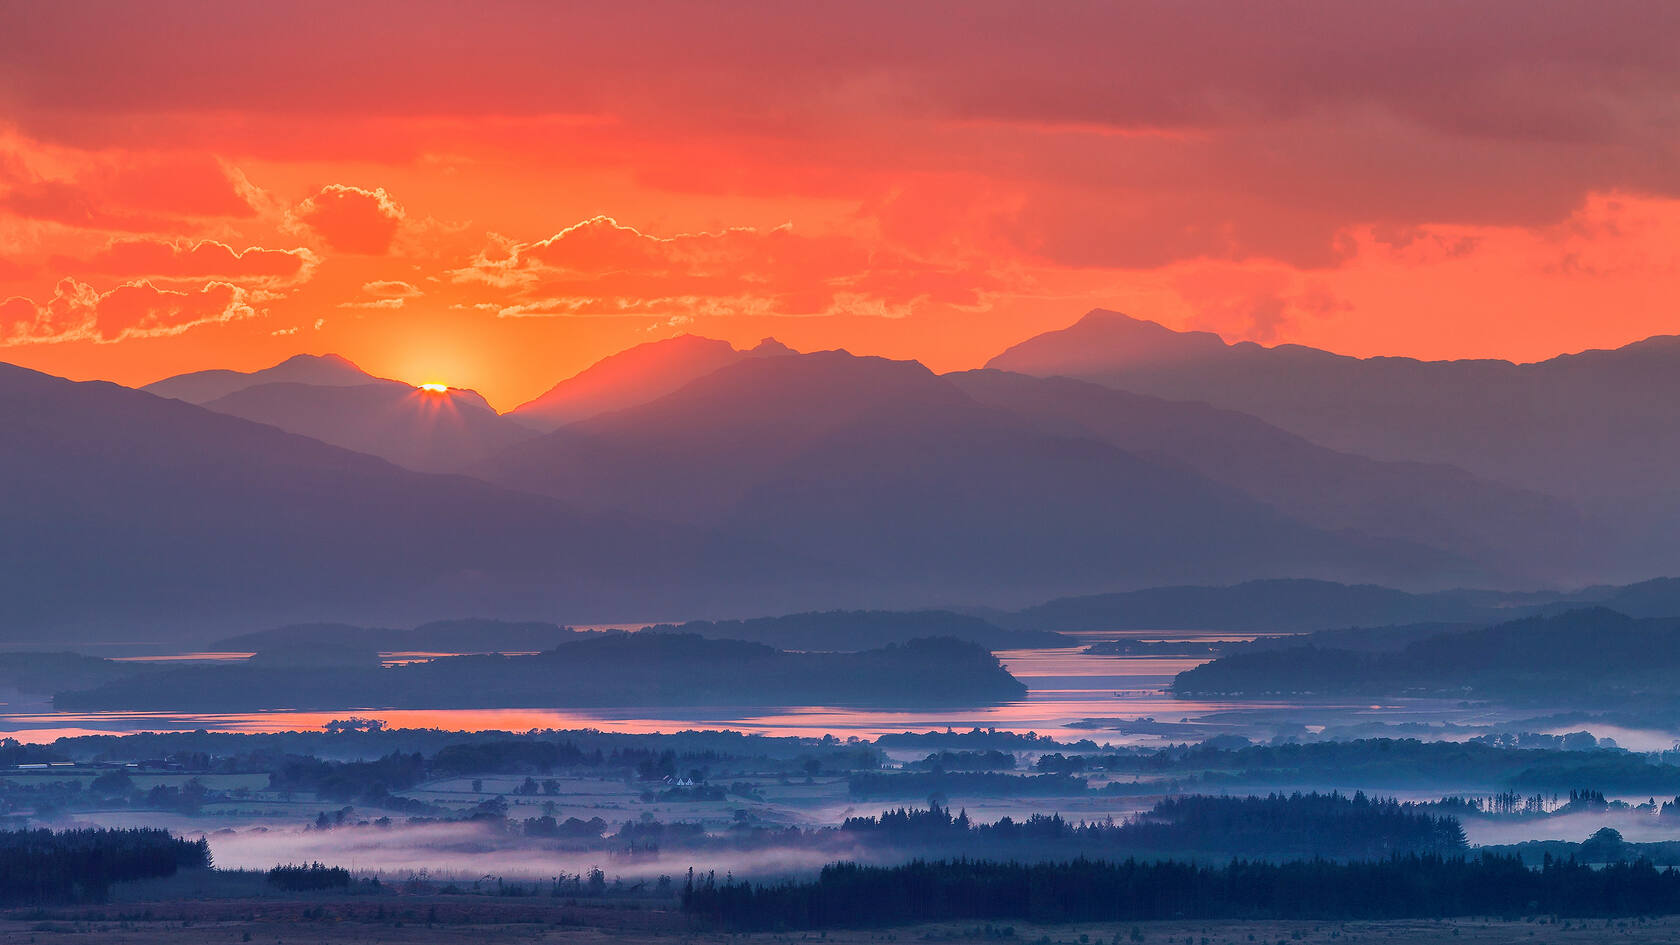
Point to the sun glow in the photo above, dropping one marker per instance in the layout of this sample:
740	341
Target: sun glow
435	388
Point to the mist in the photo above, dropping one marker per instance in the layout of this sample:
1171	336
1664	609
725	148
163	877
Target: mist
469	851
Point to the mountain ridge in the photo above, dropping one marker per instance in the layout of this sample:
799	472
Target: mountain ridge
204	523
635	376
199	387
1594	427
869	461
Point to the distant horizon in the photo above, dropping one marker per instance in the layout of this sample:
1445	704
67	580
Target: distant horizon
497	198
508	404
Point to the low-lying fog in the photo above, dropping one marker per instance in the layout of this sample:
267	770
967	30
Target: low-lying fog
469	851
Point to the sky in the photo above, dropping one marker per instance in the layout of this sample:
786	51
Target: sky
495	195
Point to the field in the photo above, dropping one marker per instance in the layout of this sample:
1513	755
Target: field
454	921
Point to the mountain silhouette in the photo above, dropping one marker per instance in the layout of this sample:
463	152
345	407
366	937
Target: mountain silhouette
886	469
132	513
1588	424
1595	427
1291	606
434	431
1434	504
635	376
199	387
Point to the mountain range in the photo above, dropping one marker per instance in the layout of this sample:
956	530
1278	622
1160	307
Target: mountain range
895	472
327	398
687	478
1595	425
135	514
635	376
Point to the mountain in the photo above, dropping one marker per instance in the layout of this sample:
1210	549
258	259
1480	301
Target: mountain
136	514
1441	506
434	431
328	398
1331	614
884	468
200	387
1592	424
635	376
1268	606
1595	427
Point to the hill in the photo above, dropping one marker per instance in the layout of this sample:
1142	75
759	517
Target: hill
1590	656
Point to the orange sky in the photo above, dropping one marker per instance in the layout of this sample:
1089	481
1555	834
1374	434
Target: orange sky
496	195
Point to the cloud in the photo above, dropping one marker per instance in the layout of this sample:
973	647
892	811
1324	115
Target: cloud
1388	114
155	258
117	191
387	294
602	267
79	312
374	303
351	219
391	289
954	192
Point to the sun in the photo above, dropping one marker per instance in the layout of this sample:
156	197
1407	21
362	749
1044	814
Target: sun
435	388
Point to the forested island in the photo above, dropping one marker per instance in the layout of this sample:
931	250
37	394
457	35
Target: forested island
838	630
597	670
438	636
1582	657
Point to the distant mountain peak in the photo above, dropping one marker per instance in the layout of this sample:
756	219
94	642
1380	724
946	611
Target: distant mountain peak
636	376
770	347
1104	340
201	387
335	360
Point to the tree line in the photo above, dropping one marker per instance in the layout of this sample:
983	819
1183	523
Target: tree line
848	895
41	866
1276	827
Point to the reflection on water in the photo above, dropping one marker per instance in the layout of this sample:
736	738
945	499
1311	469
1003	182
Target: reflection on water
387	657
1071	695
404	657
1064	686
207	656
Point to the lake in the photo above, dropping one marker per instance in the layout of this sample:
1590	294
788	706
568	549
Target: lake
1119	700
